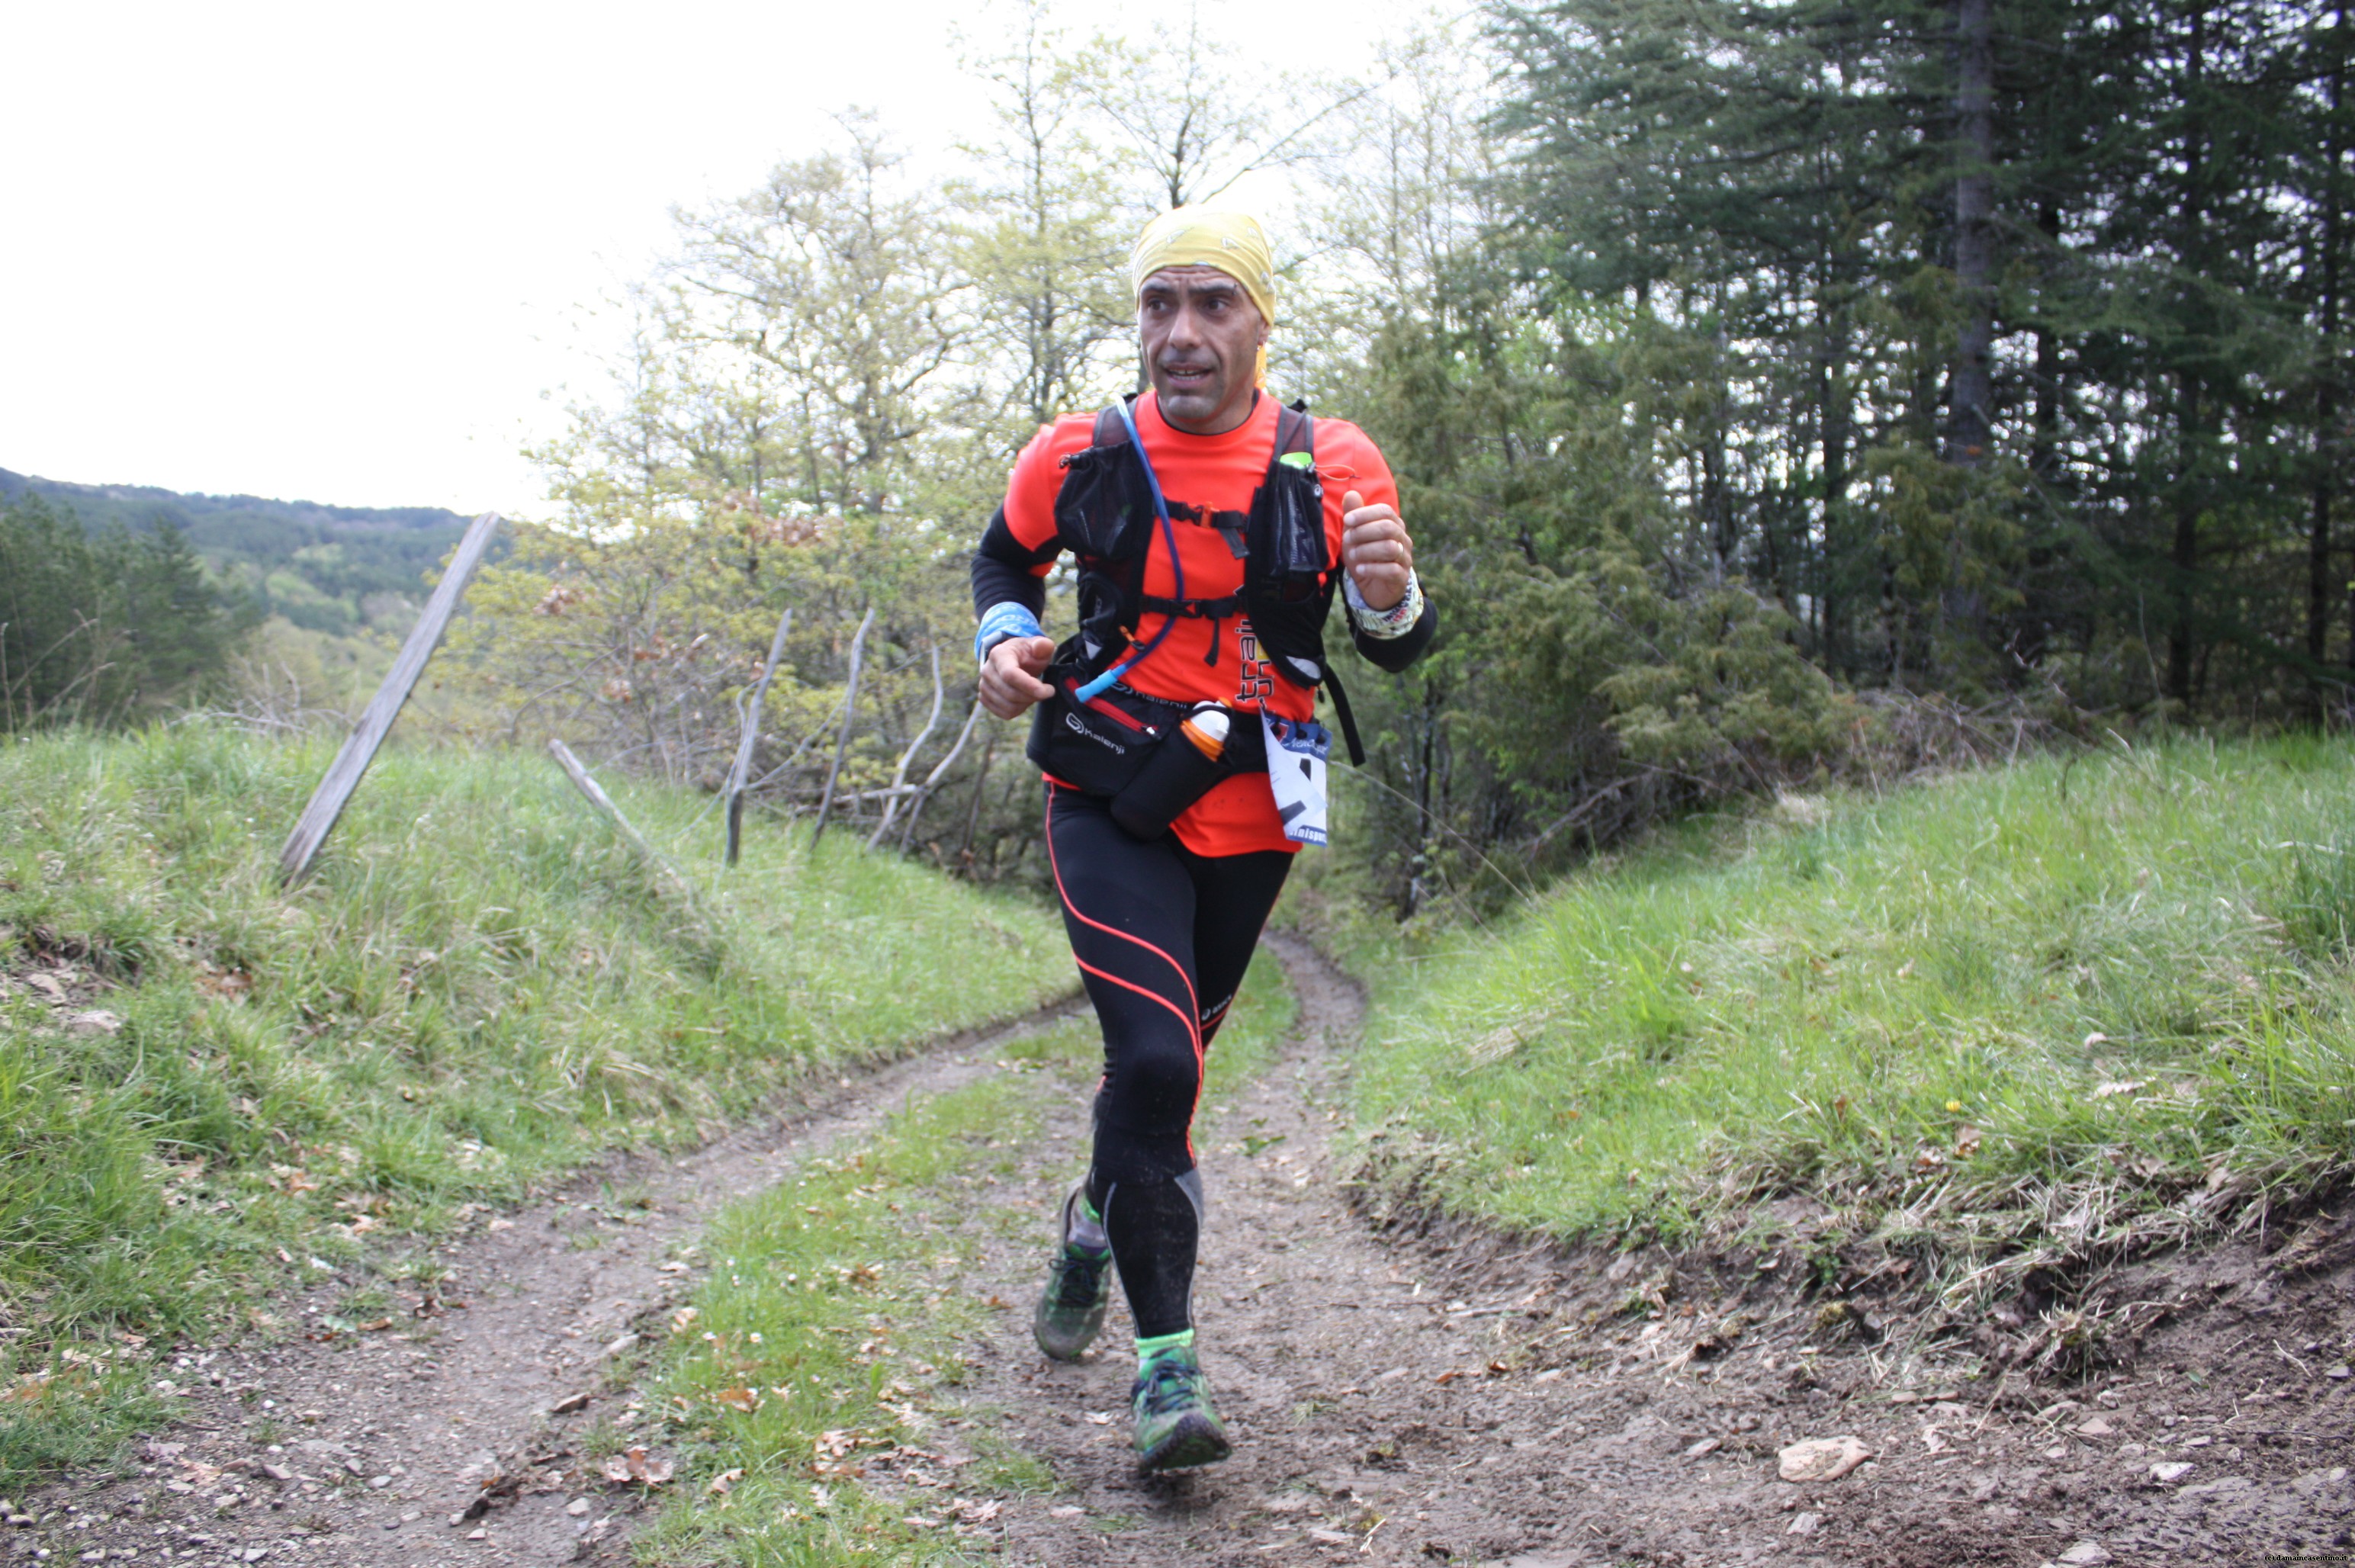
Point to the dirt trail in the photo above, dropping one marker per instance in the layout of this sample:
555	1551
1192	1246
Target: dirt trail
1396	1398
357	1450
1407	1402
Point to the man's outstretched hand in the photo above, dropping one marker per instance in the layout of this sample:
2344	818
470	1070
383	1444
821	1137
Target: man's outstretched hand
1375	549
1009	677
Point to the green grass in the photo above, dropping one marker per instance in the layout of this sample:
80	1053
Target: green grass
477	989
835	1298
2036	1017
826	1309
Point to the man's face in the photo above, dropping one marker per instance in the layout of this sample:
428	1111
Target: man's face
1200	334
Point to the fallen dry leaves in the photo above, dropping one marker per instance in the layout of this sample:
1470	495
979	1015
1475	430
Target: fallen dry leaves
634	1466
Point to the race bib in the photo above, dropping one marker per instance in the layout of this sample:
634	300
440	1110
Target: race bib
1296	751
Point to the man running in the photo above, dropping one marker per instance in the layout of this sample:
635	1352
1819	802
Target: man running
1210	527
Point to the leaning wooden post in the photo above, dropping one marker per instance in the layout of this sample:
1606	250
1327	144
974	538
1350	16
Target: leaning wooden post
600	800
647	852
849	716
980	782
343	776
752	733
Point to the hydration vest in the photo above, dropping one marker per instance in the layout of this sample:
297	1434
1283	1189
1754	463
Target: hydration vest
1105	517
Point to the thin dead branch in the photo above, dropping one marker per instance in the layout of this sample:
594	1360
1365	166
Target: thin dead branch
849	718
899	774
744	744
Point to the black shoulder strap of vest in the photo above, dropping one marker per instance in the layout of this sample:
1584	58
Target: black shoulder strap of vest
1110	430
1294	431
1348	720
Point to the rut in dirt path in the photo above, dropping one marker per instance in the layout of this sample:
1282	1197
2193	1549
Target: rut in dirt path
357	1450
1325	1349
1408	1400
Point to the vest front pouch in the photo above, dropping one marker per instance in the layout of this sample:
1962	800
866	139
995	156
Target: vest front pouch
1176	776
1288	579
1098	745
1288	549
1105	506
1297	754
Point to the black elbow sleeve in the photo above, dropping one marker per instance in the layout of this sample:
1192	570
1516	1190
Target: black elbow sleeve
1004	571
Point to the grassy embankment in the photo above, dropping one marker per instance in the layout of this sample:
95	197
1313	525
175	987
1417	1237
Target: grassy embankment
477	988
2041	1016
827	1333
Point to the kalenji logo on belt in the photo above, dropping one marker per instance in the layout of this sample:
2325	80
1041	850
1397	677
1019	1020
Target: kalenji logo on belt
1072	720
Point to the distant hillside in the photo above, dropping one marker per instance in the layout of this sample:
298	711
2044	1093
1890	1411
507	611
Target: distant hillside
328	569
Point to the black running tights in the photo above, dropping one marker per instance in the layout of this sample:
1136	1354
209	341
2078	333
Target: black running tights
1162	936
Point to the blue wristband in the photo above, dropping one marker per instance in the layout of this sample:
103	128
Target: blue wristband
1004	619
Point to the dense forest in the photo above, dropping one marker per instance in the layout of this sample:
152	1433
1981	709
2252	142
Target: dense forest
1985	349
333	569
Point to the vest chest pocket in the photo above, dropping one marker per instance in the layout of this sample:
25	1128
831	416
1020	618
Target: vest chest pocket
1105	508
1287	534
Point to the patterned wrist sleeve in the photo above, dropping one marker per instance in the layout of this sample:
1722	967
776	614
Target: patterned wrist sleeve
1395	622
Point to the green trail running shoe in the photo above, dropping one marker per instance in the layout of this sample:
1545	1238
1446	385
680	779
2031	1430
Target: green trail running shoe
1079	1291
1176	1426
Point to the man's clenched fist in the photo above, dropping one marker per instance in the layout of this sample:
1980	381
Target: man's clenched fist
1375	549
1009	677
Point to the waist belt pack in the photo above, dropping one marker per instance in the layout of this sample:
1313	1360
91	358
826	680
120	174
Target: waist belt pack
1126	746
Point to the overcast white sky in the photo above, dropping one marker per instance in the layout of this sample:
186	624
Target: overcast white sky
345	253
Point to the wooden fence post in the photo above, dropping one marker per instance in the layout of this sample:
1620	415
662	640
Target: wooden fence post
342	776
849	716
654	860
599	799
752	733
980	782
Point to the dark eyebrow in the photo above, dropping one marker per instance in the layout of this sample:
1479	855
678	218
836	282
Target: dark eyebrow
1218	283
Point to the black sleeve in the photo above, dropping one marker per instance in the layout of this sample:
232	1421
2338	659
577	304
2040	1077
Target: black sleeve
1394	654
1002	569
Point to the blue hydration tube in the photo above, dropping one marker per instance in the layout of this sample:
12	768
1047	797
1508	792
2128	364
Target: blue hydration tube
1176	569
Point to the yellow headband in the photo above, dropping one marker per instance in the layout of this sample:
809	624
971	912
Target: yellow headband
1232	243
